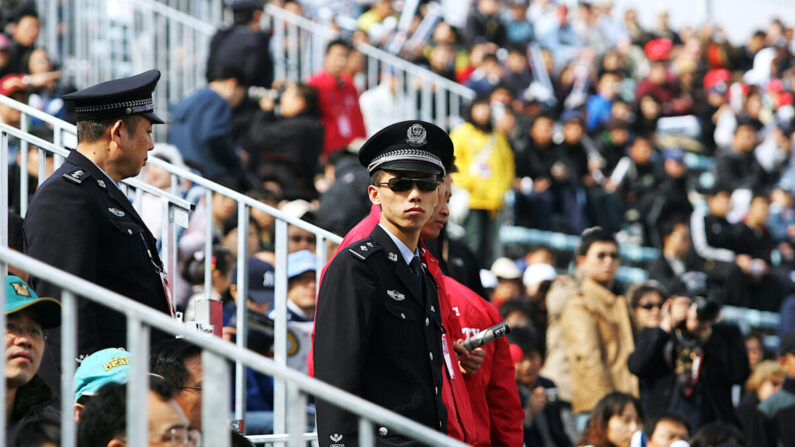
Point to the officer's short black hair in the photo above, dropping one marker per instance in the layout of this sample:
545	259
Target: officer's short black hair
667	415
224	72
591	235
375	177
167	359
104	416
92	130
668	226
338	42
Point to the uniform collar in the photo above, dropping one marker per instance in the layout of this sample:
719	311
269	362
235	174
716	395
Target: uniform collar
406	252
106	174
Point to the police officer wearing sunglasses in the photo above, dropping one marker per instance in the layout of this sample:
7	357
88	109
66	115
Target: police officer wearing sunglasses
378	329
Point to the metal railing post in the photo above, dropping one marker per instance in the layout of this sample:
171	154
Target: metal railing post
208	243
138	382
68	355
296	409
280	325
3	264
366	433
242	307
215	400
3	298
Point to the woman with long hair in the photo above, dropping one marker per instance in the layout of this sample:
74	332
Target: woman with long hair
613	421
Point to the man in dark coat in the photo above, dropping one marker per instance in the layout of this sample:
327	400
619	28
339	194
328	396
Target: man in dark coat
81	222
378	331
690	364
245	43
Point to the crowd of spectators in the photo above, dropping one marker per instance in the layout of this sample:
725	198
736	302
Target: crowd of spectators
582	119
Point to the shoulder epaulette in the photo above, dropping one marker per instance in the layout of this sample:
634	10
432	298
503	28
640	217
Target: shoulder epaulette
77	175
364	248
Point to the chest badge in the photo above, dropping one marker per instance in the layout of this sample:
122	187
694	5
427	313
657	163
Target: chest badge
393	257
395	295
116	212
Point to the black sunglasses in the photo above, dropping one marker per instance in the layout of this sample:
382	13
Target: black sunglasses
650	306
403	184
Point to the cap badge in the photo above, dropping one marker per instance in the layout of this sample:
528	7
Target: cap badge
336	438
395	295
21	289
116	212
416	134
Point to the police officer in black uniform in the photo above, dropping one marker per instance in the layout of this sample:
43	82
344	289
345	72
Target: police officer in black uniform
81	222
378	329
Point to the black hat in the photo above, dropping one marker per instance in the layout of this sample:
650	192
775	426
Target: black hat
408	146
787	344
117	98
246	5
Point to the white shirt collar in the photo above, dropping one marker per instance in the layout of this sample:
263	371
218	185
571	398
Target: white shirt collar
408	255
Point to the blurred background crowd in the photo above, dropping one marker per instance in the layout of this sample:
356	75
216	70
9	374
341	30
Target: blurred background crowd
674	139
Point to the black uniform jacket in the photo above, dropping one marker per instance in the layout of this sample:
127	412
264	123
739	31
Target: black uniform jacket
80	222
379	337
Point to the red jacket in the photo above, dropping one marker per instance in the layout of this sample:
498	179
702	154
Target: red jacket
460	420
492	389
338	103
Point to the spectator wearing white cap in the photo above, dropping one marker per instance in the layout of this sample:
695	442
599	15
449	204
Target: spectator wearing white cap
536	275
508	281
301	293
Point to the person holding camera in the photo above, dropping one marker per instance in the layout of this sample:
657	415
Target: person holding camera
691	361
285	139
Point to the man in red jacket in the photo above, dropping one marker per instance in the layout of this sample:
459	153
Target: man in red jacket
493	394
338	99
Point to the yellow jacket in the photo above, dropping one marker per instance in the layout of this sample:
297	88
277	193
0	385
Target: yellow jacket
485	166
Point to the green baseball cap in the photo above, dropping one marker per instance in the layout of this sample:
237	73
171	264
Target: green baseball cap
110	365
20	296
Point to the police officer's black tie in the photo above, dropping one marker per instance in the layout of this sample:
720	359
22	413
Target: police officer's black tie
416	273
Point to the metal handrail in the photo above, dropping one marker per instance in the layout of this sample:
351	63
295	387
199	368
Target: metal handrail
144	316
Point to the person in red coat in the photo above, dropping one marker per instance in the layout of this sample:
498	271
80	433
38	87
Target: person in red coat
338	99
493	393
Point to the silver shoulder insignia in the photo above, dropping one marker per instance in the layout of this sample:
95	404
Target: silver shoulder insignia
76	176
101	183
393	257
